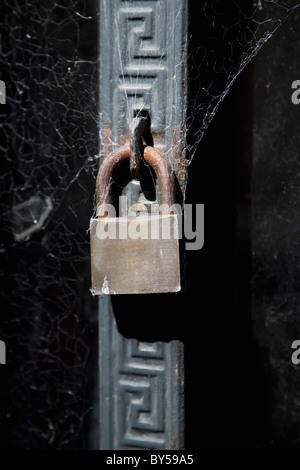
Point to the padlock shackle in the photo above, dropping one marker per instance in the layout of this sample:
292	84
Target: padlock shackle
160	165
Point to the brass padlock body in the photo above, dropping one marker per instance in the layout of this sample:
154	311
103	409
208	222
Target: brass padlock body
143	265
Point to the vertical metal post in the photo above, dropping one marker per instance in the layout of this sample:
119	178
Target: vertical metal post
143	67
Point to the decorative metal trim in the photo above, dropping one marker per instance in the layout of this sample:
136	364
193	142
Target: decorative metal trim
142	67
141	390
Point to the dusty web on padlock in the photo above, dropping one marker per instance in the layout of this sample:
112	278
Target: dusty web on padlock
222	40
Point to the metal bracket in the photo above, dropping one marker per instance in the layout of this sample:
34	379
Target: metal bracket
140	128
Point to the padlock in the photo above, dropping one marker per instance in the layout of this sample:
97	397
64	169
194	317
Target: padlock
131	255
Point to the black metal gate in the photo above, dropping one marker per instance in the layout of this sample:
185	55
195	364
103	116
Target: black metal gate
74	74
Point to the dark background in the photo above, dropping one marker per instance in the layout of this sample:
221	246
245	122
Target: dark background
242	307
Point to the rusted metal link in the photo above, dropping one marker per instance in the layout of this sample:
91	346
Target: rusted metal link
160	165
140	129
164	175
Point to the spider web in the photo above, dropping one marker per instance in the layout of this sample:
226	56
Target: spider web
50	144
